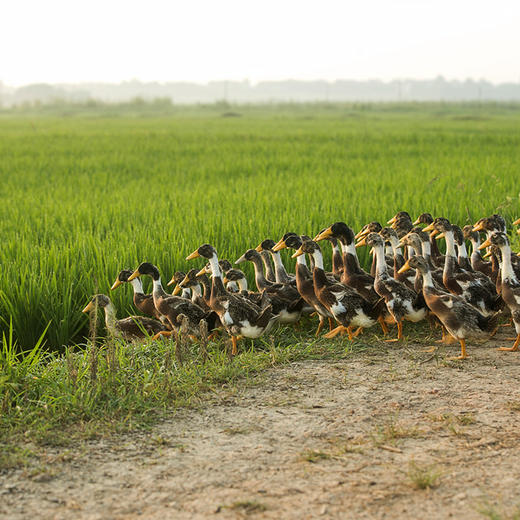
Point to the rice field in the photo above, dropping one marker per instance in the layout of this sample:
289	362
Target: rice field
88	192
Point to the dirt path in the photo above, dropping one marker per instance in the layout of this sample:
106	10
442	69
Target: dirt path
349	439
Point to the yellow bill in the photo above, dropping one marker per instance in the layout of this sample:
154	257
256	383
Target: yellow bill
193	255
116	284
298	253
485	244
280	245
89	307
323	235
134	275
406	267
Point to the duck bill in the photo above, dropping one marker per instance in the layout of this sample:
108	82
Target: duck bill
184	281
406	267
416	222
193	255
371	252
516	222
485	244
489	253
200	273
225	279
429	228
280	245
391	221
116	284
323	235
437	237
259	248
177	290
360	234
298	253
241	259
171	282
89	307
479	226
362	242
134	275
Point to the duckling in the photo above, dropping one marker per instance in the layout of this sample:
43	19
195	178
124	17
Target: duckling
401	302
304	281
239	316
281	274
461	319
510	286
348	308
172	306
461	282
133	327
143	302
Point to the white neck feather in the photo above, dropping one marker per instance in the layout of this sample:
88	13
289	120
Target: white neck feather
137	285
318	259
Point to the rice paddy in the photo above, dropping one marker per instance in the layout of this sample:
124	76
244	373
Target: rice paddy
88	194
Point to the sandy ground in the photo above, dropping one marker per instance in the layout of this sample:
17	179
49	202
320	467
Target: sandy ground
338	439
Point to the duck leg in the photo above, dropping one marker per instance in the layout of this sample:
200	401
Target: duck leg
340	329
234	341
399	333
515	346
384	327
447	339
331	323
463	354
321	325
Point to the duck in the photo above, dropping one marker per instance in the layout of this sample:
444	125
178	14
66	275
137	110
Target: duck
193	280
402	303
177	278
281	275
510	286
133	327
240	317
253	256
288	308
305	283
142	301
476	260
373	227
172	306
461	282
348	308
389	235
461	320
337	257
436	258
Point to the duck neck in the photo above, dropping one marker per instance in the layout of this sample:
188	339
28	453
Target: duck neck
279	269
337	259
269	273
110	318
427	279
261	282
217	286
242	284
318	273
449	262
350	259
137	286
379	253
506	266
196	292
158	291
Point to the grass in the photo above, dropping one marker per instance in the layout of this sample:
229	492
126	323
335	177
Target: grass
423	476
87	195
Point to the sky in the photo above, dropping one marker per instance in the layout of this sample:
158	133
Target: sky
71	41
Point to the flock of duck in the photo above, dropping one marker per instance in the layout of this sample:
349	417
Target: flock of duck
409	281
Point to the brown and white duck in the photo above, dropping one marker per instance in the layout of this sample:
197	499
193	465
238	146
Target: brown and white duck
239	317
304	281
402	303
460	318
346	305
510	286
172	306
142	301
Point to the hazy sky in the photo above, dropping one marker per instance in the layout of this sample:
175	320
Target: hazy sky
199	40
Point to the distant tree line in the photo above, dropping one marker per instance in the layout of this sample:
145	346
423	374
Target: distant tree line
438	89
